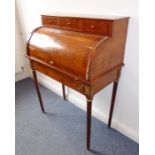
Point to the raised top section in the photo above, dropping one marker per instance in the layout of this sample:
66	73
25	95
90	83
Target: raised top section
99	25
95	16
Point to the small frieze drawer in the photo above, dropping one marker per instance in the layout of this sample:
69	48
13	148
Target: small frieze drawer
97	26
70	23
51	21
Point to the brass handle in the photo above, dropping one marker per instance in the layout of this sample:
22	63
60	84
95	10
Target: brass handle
68	23
51	62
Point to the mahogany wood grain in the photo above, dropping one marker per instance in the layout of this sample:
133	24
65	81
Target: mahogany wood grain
96	26
51	21
70	23
71	51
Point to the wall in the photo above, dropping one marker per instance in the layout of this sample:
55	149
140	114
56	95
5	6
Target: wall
126	114
21	65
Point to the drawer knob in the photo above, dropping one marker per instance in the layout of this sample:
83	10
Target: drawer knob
92	26
51	62
68	23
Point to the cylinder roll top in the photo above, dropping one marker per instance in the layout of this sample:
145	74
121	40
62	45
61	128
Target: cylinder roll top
64	49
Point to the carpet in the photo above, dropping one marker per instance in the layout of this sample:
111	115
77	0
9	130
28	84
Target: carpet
62	130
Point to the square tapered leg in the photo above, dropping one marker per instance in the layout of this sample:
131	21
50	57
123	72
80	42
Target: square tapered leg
112	102
89	110
37	89
63	91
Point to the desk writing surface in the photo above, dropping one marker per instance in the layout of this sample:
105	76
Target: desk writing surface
96	16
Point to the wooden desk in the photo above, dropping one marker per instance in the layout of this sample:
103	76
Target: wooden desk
85	54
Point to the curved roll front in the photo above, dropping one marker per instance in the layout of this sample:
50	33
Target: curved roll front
66	50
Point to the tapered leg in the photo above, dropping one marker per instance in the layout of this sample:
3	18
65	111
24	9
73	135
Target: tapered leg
112	102
89	109
63	91
37	89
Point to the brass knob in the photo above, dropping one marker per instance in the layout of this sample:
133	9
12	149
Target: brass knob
92	26
51	62
68	23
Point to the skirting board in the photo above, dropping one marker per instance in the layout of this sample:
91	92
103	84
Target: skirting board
81	103
21	75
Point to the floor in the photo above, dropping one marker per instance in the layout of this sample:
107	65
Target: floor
61	131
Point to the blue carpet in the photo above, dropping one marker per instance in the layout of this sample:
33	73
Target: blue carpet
61	131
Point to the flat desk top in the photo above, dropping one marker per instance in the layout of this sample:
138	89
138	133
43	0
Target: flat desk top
96	16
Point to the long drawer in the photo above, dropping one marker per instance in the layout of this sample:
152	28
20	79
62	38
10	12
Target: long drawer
66	79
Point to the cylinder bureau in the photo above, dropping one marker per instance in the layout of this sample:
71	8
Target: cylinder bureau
83	53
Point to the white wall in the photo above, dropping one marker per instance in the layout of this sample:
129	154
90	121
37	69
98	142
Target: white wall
126	114
21	65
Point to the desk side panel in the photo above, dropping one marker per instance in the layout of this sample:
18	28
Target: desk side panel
110	54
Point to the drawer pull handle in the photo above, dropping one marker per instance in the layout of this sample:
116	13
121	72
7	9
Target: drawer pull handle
51	62
92	26
68	23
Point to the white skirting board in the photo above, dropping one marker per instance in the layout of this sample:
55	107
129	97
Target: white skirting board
80	102
21	75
